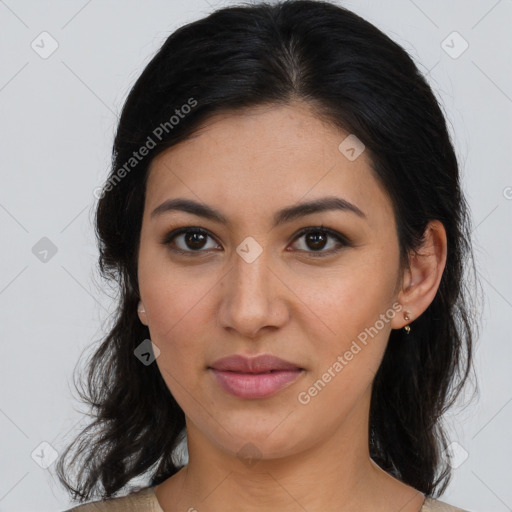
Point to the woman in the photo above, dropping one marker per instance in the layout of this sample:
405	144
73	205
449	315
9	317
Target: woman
285	220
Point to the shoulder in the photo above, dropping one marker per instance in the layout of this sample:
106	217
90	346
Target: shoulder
141	500
433	505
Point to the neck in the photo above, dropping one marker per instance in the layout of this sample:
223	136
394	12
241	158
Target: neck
332	474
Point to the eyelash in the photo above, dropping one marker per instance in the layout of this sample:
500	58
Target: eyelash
341	239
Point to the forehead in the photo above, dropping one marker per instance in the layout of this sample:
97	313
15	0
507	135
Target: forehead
266	157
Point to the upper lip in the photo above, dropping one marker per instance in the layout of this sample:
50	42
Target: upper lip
259	364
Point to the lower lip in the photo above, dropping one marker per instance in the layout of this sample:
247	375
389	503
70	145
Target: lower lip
255	385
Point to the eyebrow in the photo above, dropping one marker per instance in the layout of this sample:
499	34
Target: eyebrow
281	217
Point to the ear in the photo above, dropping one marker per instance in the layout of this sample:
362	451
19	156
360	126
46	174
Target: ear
421	280
142	313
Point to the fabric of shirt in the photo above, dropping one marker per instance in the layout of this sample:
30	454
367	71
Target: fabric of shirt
144	500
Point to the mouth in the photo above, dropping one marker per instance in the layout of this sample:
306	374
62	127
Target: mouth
256	377
264	363
255	385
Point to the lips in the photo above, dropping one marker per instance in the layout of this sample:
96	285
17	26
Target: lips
256	377
260	364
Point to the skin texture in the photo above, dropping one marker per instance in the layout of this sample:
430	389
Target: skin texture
287	302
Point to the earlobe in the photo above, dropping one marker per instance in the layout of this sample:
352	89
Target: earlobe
142	313
424	274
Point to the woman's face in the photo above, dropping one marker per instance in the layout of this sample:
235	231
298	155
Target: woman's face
249	286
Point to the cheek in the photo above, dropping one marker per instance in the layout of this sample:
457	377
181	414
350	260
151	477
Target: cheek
349	306
174	296
351	296
177	309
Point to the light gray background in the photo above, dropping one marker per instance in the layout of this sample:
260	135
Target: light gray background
58	117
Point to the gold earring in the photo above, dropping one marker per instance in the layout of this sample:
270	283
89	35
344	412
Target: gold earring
407	329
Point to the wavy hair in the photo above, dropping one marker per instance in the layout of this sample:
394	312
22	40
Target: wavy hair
357	78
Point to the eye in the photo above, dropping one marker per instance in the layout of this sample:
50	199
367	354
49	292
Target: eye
192	241
316	238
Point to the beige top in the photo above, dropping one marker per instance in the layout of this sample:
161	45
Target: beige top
144	500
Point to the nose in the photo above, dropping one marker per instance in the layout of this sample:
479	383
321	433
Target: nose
252	298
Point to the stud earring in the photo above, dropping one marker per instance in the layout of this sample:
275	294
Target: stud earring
407	329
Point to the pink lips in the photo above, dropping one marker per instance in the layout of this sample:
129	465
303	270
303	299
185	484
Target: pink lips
257	377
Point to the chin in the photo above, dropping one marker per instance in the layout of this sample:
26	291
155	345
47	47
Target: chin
251	444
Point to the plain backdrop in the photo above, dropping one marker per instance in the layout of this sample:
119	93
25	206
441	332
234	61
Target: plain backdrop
66	67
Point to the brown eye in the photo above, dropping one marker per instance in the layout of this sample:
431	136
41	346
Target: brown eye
316	241
188	240
317	238
194	240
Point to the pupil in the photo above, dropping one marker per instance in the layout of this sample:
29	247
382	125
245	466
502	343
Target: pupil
318	241
191	240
